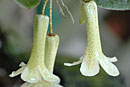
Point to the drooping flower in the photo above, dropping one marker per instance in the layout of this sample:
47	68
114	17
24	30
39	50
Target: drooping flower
51	47
35	70
52	43
93	55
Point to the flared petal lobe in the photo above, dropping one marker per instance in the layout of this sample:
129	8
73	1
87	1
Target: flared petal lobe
19	71
89	66
48	76
74	63
108	66
31	75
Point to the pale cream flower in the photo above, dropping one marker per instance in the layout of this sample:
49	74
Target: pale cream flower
93	55
36	70
52	43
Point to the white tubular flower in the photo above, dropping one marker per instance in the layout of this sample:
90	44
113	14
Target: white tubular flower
52	43
36	70
93	55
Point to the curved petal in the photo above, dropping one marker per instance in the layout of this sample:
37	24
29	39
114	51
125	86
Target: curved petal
48	76
89	67
114	59
22	64
74	63
109	67
19	71
31	75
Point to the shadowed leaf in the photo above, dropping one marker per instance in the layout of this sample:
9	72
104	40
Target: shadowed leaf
28	3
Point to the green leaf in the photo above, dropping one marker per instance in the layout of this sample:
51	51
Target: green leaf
28	3
114	4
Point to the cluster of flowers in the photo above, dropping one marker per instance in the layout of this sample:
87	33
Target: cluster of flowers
39	70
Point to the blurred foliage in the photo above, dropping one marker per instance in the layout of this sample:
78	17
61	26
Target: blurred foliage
114	4
28	3
5	59
107	4
11	49
71	76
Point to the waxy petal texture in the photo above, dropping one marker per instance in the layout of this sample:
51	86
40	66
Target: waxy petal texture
108	66
35	70
89	67
93	56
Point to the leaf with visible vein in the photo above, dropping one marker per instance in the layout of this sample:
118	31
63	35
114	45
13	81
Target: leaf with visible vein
114	4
